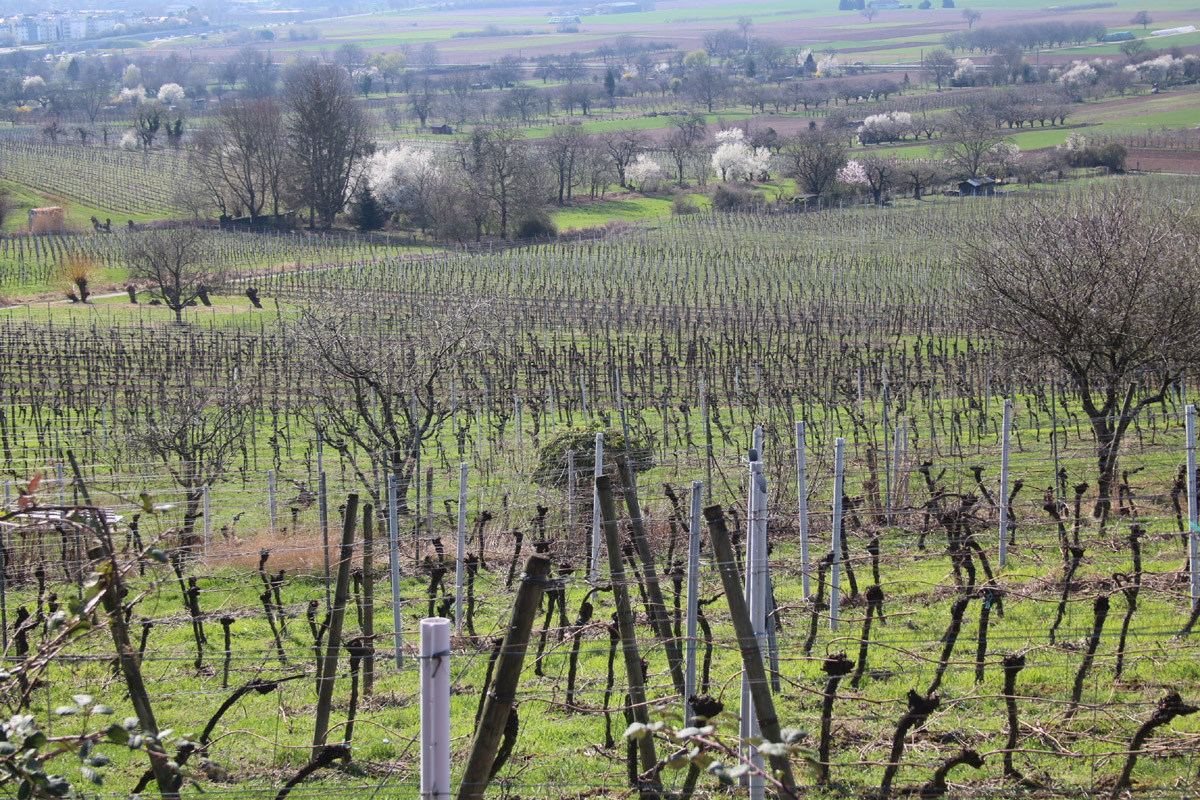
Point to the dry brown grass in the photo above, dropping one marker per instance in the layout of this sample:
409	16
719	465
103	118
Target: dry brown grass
77	276
298	552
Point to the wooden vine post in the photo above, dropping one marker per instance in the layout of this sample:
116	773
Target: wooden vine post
340	595
498	703
752	660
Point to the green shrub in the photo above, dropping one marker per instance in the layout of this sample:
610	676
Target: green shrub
552	455
536	227
683	203
734	197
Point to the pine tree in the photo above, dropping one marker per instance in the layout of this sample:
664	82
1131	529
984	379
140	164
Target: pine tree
366	213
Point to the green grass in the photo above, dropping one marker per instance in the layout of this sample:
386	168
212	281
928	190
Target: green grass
597	214
264	737
78	214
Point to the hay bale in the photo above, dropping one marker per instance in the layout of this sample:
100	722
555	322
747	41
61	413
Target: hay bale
50	219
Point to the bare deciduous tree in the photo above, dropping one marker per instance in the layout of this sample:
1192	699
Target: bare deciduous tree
562	149
939	65
172	264
239	158
497	161
970	140
919	176
380	376
328	132
623	147
195	432
1102	284
683	143
814	159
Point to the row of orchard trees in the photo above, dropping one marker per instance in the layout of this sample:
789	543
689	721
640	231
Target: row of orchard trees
256	158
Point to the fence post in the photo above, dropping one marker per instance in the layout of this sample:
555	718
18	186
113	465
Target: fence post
394	564
368	598
498	703
323	513
460	550
435	709
205	510
887	455
802	507
629	645
271	498
693	602
336	616
571	497
894	486
708	443
835	567
1193	527
597	471
755	597
517	424
1004	481
657	607
764	705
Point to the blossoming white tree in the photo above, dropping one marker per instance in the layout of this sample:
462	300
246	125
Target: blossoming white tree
644	173
853	174
734	159
889	126
405	180
135	97
170	94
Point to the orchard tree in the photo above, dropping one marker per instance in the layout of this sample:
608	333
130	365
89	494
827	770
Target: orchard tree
380	376
501	169
408	181
95	90
939	65
708	85
736	159
195	431
563	150
971	141
391	67
622	148
1141	18
813	160
173	265
971	15
683	143
881	174
918	176
1102	285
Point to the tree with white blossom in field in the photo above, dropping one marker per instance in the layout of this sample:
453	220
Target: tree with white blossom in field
734	159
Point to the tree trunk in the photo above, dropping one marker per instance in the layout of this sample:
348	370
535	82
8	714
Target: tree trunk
191	512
